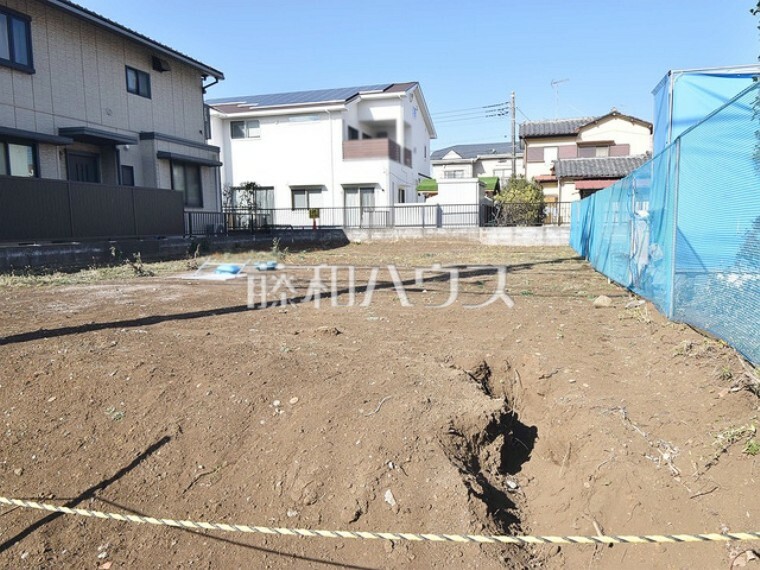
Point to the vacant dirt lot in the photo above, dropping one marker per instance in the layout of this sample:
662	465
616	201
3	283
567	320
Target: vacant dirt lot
171	398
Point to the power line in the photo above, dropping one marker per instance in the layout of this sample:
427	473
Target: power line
488	118
469	109
527	118
466	114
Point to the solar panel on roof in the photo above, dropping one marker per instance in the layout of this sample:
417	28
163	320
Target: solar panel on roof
301	97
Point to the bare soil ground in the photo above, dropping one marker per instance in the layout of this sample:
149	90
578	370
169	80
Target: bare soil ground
171	398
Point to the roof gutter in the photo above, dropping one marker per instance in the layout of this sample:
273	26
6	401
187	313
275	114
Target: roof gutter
206	87
275	111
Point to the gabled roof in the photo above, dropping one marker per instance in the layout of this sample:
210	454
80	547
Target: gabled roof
340	95
93	17
552	128
562	127
600	167
615	114
469	151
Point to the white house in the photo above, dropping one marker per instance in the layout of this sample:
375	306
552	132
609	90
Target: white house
483	160
86	100
364	148
470	173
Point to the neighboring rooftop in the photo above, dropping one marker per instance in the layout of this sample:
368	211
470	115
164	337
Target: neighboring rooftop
95	18
600	167
556	127
318	96
561	127
469	151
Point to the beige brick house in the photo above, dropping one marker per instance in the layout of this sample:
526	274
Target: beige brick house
87	100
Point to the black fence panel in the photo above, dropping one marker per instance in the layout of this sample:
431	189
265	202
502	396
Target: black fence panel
32	209
38	209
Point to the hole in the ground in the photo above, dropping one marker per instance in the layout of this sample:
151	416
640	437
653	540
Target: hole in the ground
518	446
485	454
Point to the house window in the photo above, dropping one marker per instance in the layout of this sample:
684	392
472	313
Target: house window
127	175
401	196
503	174
186	177
551	153
18	159
138	82
245	129
304	198
593	151
453	174
535	154
353	134
15	40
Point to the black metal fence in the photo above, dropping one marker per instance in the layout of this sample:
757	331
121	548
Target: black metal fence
39	209
377	217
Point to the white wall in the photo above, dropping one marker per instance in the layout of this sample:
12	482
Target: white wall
486	166
622	131
460	191
467	169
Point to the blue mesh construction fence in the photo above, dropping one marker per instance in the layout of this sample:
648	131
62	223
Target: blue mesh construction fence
683	230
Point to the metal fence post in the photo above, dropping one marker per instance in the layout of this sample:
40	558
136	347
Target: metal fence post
671	301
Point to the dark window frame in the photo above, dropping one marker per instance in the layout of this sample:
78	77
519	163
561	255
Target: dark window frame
27	22
185	165
142	79
245	129
4	142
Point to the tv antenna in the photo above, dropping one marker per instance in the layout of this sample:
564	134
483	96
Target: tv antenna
555	85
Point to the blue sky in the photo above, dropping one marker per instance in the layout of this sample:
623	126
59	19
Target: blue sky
465	54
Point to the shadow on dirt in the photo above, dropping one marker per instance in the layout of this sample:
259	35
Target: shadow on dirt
87	494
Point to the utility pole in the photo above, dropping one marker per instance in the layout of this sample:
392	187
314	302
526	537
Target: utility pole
514	134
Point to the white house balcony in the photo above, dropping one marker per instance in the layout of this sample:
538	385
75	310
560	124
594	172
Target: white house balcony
376	148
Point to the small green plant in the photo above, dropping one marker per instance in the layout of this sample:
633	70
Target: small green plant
752	447
136	263
192	262
116	253
277	252
724	373
733	435
114	414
